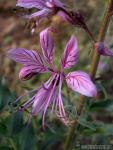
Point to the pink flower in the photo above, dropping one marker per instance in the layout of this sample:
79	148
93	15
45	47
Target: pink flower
50	93
40	4
46	8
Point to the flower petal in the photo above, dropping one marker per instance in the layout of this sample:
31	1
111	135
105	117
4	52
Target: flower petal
39	14
41	96
26	73
44	97
102	49
40	101
71	53
31	3
47	44
29	58
80	82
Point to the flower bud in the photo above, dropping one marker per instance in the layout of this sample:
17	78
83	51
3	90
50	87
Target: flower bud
102	49
25	74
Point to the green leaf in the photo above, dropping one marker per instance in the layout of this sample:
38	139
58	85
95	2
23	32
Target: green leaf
27	138
101	129
101	105
3	129
5	94
5	148
106	129
17	123
87	124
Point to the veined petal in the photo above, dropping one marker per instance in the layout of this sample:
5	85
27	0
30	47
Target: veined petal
49	98
39	14
29	58
47	45
80	82
40	101
41	96
40	4
70	56
102	49
44	97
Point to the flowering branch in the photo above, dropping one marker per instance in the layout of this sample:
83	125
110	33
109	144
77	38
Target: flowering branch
93	69
50	92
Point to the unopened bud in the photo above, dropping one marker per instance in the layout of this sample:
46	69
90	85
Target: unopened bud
25	74
102	49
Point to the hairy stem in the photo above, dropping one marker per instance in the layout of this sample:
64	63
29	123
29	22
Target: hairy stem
93	69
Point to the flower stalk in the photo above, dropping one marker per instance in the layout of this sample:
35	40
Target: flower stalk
93	69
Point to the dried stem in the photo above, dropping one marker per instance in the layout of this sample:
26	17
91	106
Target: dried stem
93	70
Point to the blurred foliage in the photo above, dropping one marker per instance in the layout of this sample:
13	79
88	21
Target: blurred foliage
16	134
95	124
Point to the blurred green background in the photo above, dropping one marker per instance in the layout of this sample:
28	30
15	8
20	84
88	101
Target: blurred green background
96	122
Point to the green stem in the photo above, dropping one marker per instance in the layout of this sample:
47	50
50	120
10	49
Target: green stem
93	70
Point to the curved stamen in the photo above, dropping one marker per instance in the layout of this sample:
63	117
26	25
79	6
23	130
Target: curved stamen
20	97
49	99
27	104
